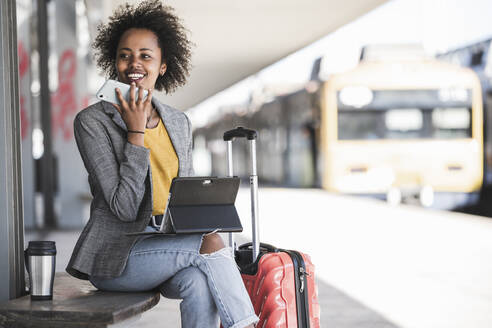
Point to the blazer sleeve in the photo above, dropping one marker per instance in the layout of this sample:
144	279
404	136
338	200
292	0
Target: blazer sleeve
189	150
122	184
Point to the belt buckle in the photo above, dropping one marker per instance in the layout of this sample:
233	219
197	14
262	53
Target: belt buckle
154	223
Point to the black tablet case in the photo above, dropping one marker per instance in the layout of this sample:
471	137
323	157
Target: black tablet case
204	204
201	205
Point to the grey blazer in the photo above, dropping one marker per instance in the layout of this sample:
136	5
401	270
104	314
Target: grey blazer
120	180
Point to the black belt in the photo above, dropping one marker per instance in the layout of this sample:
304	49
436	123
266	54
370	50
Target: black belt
158	220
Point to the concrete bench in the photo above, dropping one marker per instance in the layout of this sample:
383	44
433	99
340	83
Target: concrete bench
76	303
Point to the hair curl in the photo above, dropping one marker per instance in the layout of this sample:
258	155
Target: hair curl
171	35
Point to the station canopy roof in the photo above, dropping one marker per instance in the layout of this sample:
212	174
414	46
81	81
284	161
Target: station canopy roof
235	39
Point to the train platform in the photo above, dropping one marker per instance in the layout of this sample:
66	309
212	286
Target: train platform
376	265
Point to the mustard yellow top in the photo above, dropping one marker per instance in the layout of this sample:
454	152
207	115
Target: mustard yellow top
164	164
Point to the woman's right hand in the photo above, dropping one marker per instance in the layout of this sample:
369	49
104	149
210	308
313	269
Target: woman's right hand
135	112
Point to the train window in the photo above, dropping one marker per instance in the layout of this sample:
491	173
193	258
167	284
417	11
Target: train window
359	125
451	122
407	114
403	120
476	58
438	123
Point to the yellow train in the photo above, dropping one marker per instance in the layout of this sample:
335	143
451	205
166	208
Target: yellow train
402	127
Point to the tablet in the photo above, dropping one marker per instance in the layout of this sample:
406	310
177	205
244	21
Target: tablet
200	205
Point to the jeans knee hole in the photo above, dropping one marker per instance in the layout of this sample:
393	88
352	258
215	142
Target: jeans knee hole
225	252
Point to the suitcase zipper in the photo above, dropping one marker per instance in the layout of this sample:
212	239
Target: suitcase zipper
302	301
302	277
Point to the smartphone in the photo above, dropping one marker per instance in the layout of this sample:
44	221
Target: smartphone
107	91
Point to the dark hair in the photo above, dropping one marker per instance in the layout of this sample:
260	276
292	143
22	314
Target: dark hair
171	35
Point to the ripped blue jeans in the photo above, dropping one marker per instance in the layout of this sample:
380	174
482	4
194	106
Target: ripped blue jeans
209	284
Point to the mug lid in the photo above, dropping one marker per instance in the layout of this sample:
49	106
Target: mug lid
41	244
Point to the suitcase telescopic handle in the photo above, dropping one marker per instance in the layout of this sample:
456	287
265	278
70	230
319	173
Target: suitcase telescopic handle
251	136
240	132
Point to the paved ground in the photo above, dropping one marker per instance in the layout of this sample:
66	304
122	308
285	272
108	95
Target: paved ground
377	266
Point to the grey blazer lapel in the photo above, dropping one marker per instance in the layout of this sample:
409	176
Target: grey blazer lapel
115	115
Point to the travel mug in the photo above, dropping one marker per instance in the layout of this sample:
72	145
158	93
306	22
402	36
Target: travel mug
40	263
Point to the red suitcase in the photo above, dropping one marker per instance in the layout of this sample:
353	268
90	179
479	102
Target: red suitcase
280	282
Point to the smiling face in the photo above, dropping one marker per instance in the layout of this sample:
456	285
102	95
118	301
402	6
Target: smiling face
139	58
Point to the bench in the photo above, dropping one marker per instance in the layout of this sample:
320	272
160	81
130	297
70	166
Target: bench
76	303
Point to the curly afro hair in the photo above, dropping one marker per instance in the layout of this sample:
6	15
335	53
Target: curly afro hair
171	35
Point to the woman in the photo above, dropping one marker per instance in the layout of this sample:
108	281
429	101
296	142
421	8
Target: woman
132	151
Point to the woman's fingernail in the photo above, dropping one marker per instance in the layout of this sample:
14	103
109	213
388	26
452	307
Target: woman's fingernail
133	82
